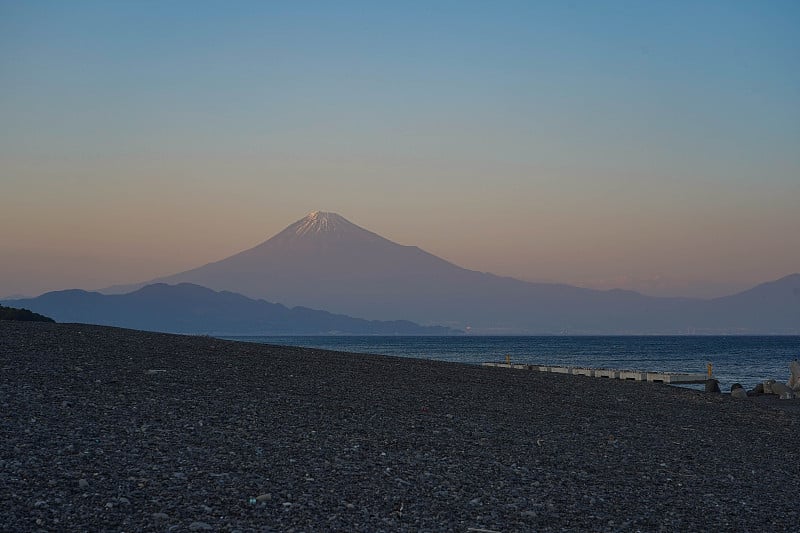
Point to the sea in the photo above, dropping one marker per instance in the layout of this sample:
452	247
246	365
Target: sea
747	360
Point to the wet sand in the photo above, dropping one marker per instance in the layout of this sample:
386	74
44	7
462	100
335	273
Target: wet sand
105	429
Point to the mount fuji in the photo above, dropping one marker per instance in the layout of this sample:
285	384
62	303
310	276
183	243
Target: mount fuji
324	261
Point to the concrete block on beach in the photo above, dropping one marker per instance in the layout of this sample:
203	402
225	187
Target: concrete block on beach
738	392
712	386
782	391
632	375
674	377
794	377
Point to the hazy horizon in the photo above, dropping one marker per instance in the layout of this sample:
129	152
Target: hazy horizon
656	286
623	145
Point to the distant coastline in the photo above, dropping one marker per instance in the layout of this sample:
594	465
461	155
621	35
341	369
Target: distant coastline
747	360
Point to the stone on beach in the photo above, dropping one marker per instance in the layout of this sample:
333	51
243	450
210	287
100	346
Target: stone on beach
712	386
738	392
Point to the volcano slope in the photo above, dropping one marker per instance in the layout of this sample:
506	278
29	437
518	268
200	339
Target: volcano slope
106	429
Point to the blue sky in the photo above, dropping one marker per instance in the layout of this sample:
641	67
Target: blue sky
591	143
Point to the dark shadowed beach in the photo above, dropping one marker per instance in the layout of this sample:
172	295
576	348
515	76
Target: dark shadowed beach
105	429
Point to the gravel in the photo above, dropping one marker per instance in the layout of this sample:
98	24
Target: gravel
105	429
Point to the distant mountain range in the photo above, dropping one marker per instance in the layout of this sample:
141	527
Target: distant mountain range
187	308
326	262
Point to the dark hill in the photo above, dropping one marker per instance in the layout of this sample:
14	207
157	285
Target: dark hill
188	308
22	315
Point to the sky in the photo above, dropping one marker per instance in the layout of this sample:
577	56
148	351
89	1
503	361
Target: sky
645	145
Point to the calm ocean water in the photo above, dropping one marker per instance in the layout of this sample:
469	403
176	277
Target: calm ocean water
746	360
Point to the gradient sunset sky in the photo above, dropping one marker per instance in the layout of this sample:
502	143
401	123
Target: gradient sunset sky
646	145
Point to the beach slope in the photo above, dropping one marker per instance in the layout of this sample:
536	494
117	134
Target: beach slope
120	430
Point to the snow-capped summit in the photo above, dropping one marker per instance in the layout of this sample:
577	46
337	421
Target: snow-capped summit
324	261
320	222
321	227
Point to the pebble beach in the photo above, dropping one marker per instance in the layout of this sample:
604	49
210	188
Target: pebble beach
106	429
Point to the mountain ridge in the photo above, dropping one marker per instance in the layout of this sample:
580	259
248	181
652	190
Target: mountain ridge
189	308
325	261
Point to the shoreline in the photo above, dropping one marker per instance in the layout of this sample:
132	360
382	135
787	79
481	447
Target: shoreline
105	428
745	360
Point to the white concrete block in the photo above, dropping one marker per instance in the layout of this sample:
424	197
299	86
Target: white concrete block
606	373
632	375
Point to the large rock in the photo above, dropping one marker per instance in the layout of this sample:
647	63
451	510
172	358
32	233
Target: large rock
712	385
739	393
